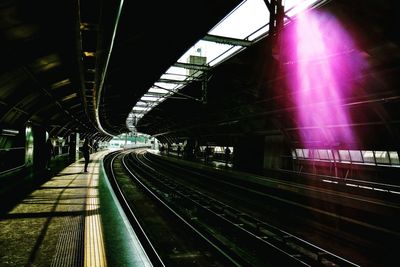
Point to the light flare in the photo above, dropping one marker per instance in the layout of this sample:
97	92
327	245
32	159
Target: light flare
321	63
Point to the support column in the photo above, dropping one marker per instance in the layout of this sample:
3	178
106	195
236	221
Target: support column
248	153
73	150
20	140
258	153
277	154
189	149
39	146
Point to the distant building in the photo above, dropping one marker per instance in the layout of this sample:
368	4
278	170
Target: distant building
198	60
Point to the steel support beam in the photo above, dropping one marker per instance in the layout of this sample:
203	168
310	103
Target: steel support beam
227	40
191	66
162	80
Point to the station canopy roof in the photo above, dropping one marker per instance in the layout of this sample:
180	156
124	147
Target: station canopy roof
176	69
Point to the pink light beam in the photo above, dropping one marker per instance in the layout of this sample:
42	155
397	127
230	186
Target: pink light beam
322	63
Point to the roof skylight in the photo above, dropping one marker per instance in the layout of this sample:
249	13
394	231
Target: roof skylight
245	25
249	16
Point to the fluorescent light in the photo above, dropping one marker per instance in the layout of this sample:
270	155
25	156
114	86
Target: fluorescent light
9	132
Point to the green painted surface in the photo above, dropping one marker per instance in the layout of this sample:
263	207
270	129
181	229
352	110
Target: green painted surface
121	249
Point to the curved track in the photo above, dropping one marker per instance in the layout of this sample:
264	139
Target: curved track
168	238
237	216
351	225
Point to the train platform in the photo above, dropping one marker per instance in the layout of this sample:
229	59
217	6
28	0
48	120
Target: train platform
215	163
72	219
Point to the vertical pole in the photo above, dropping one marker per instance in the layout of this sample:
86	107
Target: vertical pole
77	138
73	150
39	141
204	88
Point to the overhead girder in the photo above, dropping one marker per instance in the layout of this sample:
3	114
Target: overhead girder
227	40
163	80
191	66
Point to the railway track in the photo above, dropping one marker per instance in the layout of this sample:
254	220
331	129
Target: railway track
232	220
260	243
168	238
353	226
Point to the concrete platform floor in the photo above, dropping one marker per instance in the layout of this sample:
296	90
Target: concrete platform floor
60	224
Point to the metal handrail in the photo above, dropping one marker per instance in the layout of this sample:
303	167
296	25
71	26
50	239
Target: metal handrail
11	148
13	169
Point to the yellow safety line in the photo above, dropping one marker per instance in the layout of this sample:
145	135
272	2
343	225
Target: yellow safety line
94	246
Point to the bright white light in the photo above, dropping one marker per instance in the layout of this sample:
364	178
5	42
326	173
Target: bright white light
166	85
250	16
173	77
294	7
149	98
177	71
141	103
139	108
157	90
210	50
